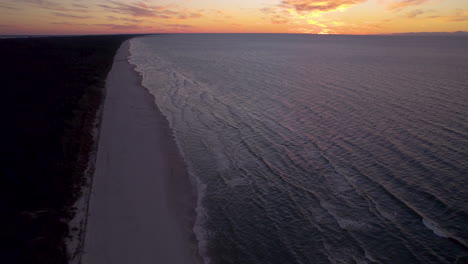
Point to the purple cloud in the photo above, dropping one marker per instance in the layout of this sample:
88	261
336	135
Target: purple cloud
70	15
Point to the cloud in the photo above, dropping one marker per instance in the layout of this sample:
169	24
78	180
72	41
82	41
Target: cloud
49	5
40	3
131	20
179	26
306	15
121	27
277	15
69	24
278	19
414	13
306	12
80	6
311	29
339	27
138	9
70	15
8	7
307	6
142	9
189	15
458	19
460	15
401	4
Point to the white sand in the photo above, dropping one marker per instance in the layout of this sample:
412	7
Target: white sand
138	180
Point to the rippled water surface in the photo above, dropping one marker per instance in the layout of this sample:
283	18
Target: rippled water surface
319	149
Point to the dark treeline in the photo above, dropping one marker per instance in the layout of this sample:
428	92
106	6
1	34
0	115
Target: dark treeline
50	91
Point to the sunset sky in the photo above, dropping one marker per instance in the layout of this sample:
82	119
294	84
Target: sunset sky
232	16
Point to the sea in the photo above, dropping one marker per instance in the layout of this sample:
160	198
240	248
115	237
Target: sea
318	148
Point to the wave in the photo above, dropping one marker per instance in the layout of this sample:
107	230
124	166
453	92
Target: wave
297	157
434	228
200	232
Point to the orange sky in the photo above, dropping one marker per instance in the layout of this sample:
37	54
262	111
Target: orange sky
247	16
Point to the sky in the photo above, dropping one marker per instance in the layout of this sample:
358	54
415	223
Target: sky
231	16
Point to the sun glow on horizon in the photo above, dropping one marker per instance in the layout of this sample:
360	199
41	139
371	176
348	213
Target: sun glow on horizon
223	16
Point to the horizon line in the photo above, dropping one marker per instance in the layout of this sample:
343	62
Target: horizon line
239	33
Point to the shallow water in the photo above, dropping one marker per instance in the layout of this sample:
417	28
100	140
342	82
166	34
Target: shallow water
319	149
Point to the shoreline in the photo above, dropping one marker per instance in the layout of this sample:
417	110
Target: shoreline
142	206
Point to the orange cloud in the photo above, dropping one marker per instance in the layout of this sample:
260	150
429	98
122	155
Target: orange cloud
278	19
305	16
189	15
307	6
277	15
415	13
405	3
179	26
459	16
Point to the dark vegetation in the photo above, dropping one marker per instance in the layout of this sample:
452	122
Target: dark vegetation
50	91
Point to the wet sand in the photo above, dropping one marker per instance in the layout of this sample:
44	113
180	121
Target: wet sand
142	204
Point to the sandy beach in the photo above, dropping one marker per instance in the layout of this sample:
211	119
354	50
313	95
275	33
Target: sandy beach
141	206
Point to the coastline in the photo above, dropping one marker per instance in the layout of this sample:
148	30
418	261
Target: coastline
142	205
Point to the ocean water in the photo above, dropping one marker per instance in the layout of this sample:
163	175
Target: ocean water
319	149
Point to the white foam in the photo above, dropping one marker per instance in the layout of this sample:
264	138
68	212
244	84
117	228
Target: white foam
145	62
434	228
